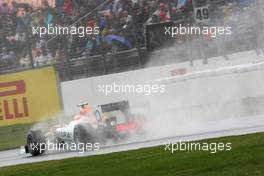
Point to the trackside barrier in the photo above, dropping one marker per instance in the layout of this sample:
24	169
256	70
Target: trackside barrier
28	96
216	83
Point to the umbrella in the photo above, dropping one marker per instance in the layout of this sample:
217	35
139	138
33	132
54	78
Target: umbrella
109	39
243	3
181	3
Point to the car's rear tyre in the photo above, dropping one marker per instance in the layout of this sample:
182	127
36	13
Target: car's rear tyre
36	142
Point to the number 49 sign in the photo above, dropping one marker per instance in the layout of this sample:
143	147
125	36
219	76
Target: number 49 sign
201	14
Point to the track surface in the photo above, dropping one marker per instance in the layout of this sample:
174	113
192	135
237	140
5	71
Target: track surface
14	157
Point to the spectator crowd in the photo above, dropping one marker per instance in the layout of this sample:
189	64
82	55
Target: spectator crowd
121	24
121	20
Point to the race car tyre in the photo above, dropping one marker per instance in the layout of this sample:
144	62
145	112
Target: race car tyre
36	142
83	134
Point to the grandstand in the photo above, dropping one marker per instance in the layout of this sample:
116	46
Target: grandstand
139	24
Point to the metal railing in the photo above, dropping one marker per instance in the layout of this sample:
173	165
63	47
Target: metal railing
89	66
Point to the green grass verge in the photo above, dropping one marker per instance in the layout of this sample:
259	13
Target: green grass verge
245	159
13	136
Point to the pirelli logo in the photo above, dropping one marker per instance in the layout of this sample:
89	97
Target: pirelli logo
13	100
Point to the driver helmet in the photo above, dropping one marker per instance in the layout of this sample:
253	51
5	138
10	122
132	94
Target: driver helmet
85	109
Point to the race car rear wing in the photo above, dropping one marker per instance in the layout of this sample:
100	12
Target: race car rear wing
121	105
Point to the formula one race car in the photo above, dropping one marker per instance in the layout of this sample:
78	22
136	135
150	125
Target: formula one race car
112	121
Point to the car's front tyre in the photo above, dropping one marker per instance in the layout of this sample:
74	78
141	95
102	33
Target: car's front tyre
36	142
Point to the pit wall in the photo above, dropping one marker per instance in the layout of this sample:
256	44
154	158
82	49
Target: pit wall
222	86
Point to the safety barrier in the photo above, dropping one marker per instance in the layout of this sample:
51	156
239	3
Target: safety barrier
28	96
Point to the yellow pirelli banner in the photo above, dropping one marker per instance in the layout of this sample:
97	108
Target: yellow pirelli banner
29	96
